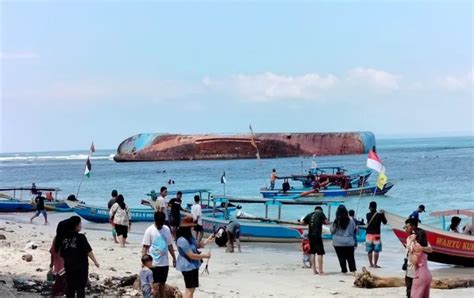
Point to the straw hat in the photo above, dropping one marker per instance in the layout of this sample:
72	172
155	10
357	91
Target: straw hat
187	221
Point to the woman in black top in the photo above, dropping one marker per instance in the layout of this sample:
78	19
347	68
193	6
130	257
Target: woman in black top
75	250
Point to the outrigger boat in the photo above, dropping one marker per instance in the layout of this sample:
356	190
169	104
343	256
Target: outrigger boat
448	247
100	214
264	229
330	191
10	203
337	175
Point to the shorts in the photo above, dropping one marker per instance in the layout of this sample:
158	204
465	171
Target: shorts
160	274
316	245
191	279
38	212
121	230
198	228
373	243
175	222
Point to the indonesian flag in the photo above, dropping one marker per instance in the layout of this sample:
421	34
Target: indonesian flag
87	171
374	162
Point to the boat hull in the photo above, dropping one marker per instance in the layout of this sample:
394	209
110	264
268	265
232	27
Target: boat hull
337	192
257	231
27	206
101	214
448	248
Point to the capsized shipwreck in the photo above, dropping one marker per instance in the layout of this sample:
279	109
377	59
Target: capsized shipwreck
156	147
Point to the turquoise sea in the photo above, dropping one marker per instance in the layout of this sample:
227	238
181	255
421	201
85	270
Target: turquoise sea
438	172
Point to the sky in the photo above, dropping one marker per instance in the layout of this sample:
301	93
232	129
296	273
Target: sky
76	72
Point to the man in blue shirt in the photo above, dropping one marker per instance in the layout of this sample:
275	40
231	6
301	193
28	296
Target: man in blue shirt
416	214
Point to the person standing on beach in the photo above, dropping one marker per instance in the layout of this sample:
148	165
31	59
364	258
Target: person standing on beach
161	204
57	263
416	214
158	242
196	211
422	277
40	209
273	179
315	223
343	239
189	258
75	250
411	225
120	216
146	276
109	205
175	213
373	240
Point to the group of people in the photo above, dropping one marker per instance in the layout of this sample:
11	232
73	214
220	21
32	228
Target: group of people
70	253
169	226
344	231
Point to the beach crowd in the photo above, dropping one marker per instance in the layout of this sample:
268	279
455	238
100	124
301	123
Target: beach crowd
181	238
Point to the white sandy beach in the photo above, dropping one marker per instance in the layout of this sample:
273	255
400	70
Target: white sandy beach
272	270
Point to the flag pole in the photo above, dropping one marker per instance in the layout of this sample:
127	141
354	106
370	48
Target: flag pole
92	148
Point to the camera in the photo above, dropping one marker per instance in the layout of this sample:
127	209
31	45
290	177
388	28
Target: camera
405	264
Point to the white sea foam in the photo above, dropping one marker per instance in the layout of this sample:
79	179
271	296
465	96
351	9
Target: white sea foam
18	157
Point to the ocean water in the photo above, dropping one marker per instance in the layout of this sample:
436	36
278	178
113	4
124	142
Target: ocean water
438	172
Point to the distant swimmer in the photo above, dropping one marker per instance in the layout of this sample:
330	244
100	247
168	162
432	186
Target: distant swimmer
160	172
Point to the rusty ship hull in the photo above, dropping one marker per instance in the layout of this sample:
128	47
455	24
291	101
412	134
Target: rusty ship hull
161	147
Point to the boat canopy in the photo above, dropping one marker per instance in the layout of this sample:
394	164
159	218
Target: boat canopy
184	191
29	188
312	202
465	212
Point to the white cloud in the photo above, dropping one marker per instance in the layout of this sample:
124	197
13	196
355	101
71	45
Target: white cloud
269	86
312	86
18	55
458	83
374	78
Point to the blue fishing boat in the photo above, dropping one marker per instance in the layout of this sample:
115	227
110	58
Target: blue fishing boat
264	229
100	214
10	203
330	191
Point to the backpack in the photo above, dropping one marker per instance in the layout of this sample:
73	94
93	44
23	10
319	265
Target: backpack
285	186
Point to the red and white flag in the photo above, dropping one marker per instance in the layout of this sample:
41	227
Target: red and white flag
374	162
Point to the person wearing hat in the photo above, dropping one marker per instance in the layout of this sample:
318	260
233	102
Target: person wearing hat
158	242
416	214
189	258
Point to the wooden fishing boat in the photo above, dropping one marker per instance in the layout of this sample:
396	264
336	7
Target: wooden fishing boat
10	203
255	229
448	247
331	191
337	175
100	214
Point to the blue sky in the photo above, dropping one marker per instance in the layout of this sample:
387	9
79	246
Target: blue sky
103	71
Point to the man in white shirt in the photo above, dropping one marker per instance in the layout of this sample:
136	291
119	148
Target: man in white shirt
196	211
157	242
161	204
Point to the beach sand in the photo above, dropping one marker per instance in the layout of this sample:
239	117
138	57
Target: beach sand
261	270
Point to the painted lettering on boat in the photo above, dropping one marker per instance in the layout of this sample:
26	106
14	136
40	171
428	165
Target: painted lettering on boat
458	244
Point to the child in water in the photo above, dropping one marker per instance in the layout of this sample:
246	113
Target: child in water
306	250
146	277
